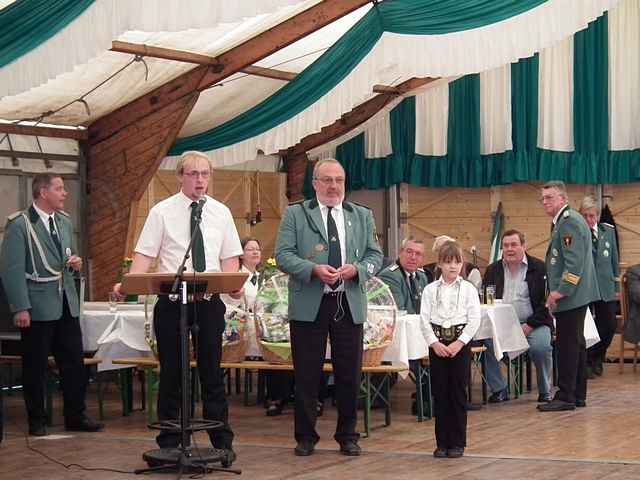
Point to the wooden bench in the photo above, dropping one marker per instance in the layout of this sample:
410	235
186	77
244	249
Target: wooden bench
13	360
368	391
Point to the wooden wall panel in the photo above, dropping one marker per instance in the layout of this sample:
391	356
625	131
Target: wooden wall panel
464	214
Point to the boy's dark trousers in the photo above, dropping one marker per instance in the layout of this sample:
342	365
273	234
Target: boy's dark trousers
449	380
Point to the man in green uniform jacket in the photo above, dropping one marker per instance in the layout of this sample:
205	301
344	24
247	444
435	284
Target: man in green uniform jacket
37	264
572	284
605	260
329	249
405	278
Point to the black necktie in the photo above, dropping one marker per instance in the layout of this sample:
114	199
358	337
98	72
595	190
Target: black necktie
254	278
335	257
413	287
197	252
54	234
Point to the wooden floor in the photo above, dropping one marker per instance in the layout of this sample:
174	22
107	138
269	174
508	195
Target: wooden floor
507	441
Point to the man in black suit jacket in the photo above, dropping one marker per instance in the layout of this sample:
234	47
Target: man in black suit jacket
520	280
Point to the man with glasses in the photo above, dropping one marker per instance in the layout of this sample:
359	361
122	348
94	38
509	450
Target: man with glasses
329	249
166	236
572	286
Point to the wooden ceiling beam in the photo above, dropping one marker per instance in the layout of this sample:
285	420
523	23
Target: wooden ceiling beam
269	73
192	57
232	61
40	156
162	52
355	117
40	131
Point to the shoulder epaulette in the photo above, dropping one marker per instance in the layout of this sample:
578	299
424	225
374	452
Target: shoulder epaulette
62	212
13	216
607	224
359	205
420	269
393	268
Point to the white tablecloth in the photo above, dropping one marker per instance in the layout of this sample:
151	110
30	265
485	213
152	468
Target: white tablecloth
122	334
499	322
113	335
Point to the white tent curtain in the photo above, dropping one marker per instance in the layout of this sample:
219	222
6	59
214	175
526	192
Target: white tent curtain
92	32
555	101
624	76
432	116
495	110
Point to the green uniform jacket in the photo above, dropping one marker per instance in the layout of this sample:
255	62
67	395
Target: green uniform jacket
302	243
396	279
605	259
42	298
569	261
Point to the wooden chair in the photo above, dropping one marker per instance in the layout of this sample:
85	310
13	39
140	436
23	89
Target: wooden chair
621	320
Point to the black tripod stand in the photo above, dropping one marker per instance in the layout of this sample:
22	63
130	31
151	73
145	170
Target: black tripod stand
186	458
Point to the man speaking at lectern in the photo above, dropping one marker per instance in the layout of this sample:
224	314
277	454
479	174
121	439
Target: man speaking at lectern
165	236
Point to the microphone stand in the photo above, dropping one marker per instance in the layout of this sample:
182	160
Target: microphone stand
184	457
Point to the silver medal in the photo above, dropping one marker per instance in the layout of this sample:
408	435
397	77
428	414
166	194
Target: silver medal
446	324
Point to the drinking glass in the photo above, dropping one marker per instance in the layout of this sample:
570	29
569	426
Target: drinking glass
113	303
491	294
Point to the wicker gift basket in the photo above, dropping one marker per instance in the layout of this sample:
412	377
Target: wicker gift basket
235	338
271	320
381	320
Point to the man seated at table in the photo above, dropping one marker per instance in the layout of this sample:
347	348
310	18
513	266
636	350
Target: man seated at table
519	280
406	280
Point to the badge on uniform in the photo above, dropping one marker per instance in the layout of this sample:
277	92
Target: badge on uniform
370	268
606	244
554	252
605	253
553	261
566	240
319	247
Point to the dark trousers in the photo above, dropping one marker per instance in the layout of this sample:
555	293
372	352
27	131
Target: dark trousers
309	343
449	380
572	355
63	339
279	386
605	318
207	344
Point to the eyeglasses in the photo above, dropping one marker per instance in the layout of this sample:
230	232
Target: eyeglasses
331	180
252	249
196	174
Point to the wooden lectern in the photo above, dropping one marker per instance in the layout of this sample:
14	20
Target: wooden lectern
184	457
199	282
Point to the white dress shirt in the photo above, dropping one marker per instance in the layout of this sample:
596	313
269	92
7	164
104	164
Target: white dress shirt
456	303
338	216
167	232
44	216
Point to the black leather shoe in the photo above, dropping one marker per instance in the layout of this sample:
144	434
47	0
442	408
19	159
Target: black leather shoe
275	409
350	448
455	452
590	373
598	368
499	397
38	430
440	452
544	398
556	406
229	456
471	407
83	425
304	448
581	403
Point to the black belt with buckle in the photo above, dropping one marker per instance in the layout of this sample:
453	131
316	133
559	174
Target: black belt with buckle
448	335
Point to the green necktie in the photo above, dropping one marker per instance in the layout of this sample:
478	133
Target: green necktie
197	252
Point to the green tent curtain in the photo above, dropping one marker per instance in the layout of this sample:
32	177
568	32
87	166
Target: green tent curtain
590	163
25	24
398	16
